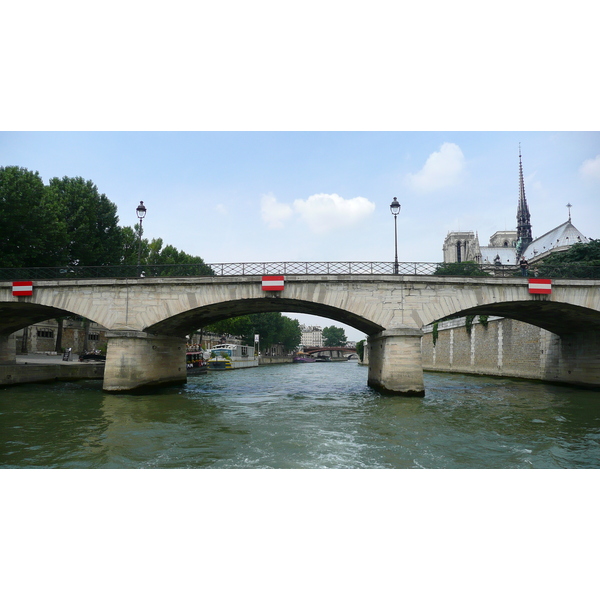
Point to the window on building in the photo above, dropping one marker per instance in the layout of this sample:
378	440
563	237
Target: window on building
94	337
45	333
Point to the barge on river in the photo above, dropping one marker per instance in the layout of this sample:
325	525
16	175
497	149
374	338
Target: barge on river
195	362
303	357
231	356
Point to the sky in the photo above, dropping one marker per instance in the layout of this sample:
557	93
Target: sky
321	196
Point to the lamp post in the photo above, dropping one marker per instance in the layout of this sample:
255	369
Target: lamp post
395	209
141	213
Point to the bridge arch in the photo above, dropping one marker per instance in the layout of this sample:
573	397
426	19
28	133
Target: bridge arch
200	316
15	316
557	317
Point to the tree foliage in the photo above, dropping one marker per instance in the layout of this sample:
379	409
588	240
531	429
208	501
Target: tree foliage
577	253
235	326
360	349
334	336
462	269
93	233
273	328
169	255
32	225
580	260
70	223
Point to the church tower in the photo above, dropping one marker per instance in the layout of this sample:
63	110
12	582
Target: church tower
524	236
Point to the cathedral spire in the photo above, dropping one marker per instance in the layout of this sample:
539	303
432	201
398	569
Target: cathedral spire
524	236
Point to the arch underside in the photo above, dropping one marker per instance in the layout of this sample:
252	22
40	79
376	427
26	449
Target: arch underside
185	322
557	317
16	315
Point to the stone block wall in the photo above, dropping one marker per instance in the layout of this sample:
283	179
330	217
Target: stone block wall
501	347
509	348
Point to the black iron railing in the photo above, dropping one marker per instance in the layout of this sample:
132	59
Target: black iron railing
570	271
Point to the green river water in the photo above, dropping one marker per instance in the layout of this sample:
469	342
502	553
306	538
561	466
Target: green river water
307	416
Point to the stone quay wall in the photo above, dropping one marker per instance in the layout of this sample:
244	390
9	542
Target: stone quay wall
274	360
503	347
39	372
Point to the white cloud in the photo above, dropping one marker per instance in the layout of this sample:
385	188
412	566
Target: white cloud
321	212
442	169
324	212
272	212
221	209
591	167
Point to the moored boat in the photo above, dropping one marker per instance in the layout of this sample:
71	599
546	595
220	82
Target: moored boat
303	357
93	355
195	362
231	356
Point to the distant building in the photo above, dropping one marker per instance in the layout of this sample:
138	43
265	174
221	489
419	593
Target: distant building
76	334
312	336
507	247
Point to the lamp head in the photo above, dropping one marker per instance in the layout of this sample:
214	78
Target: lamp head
395	207
141	211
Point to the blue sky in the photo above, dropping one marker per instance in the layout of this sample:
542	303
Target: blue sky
324	196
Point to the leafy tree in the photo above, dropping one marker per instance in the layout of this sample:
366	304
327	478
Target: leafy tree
467	268
273	328
360	349
334	336
185	264
580	260
94	236
290	334
236	326
68	222
33	231
577	253
130	245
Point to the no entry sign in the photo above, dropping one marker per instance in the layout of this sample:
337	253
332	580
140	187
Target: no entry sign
273	283
22	288
540	286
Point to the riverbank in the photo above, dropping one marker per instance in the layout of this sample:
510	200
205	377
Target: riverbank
508	348
274	360
34	368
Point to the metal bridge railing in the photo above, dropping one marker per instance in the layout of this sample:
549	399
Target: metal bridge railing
565	271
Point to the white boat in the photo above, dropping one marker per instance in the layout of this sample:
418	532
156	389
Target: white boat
231	356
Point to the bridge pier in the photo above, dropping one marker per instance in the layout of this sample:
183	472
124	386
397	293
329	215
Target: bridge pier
8	350
395	365
572	358
135	359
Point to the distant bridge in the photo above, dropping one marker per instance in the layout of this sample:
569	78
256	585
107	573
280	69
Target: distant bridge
333	352
148	317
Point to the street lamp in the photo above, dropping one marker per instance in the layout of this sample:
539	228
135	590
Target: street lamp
395	209
141	213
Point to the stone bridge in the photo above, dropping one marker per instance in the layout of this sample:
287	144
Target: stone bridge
332	352
148	318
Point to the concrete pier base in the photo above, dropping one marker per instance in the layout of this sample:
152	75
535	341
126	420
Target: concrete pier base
8	350
395	362
135	360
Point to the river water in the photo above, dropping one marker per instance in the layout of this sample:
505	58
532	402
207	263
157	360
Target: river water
301	416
